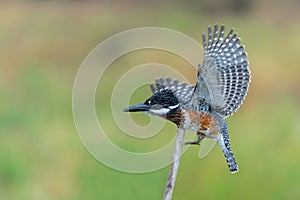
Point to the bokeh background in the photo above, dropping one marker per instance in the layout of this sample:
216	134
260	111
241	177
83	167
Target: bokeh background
42	44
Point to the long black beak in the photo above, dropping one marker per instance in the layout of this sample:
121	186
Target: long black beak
137	108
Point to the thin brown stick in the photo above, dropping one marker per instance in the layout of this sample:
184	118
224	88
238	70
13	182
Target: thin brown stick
175	164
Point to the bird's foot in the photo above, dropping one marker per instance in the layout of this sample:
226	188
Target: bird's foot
197	142
193	143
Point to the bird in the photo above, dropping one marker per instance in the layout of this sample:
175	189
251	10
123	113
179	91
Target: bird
221	87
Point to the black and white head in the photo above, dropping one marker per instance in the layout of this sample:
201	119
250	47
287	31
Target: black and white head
162	103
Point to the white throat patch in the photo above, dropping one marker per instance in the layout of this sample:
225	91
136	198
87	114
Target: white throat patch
172	107
163	111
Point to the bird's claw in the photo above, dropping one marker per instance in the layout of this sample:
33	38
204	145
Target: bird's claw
192	143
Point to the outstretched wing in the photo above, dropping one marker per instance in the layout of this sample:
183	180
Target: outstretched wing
224	78
182	91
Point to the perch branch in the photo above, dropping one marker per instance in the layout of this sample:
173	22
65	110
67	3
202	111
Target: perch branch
175	164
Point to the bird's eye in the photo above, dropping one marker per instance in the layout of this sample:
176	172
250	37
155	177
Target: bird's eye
148	102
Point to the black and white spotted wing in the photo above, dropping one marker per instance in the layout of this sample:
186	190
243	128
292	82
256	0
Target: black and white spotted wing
224	77
181	90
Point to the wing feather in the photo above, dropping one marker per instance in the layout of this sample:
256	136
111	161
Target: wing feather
224	77
182	91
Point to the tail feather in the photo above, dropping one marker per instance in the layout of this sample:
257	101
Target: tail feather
233	167
224	143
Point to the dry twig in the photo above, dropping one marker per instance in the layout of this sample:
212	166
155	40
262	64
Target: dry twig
175	164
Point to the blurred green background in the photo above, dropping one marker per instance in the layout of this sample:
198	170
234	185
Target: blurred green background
42	44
